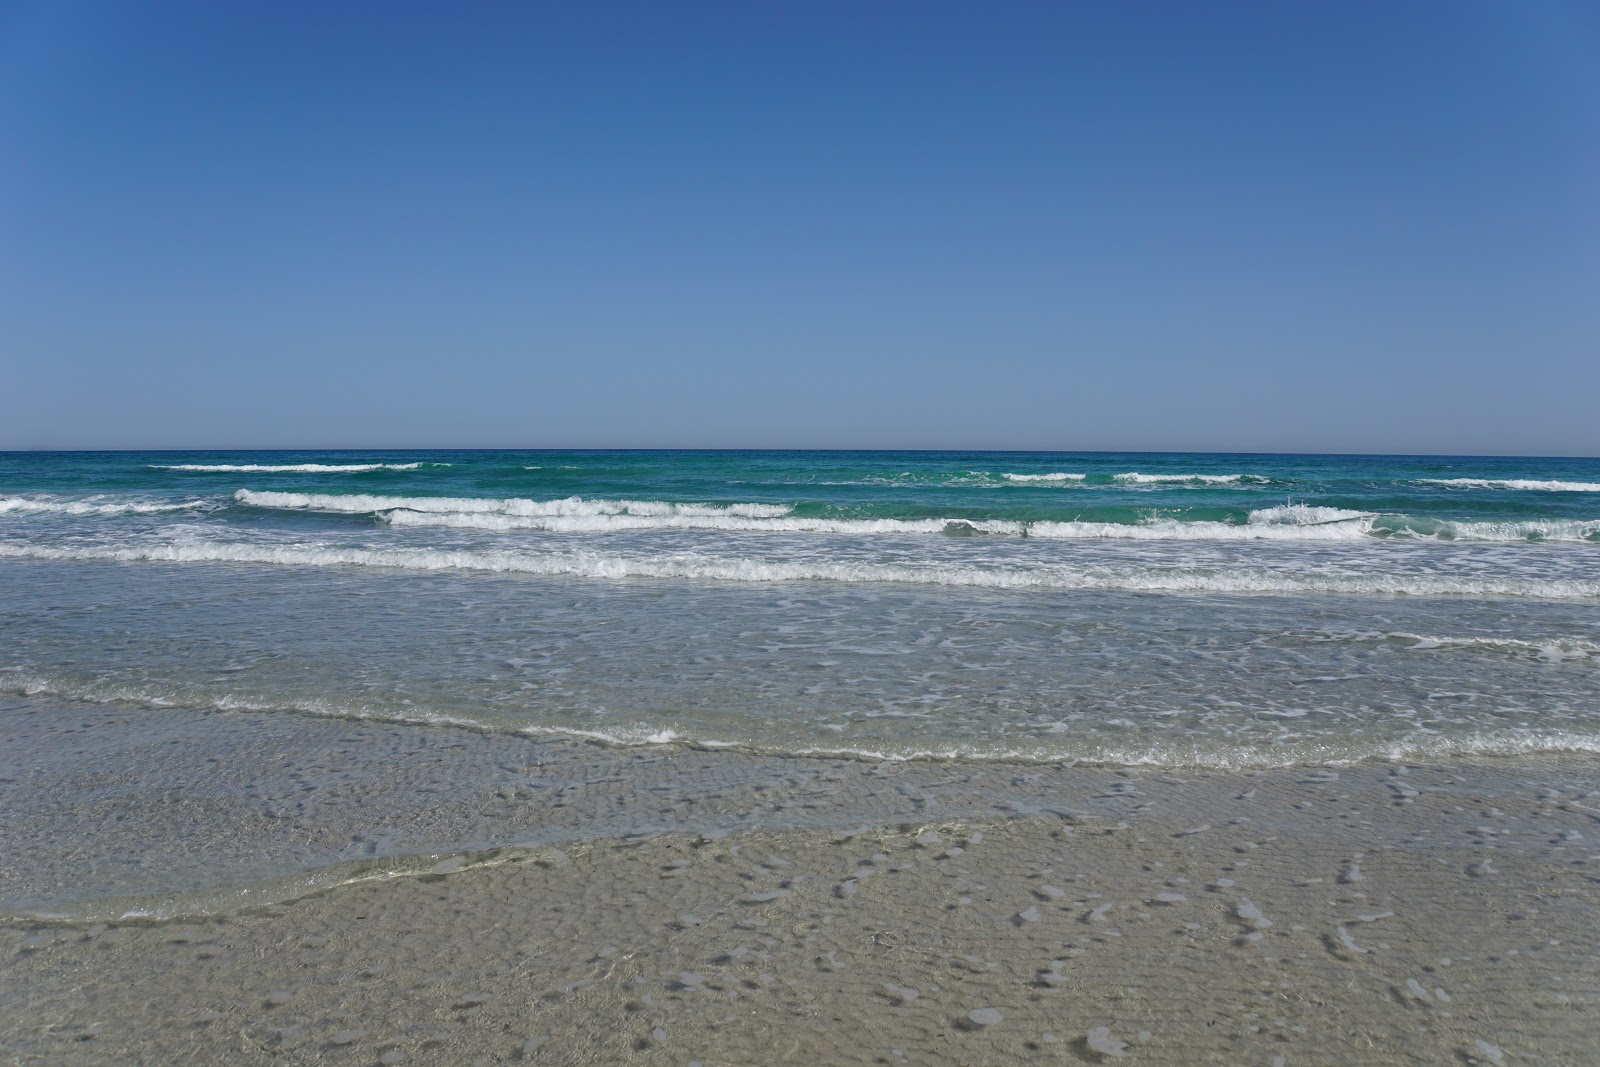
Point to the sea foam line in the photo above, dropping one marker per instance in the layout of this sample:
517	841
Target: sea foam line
295	468
1527	484
696	566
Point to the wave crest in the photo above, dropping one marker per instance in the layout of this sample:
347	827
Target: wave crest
572	506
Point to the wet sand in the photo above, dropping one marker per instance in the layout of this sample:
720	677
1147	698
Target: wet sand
914	913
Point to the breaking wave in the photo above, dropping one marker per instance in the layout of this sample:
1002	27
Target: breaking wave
95	506
1527	484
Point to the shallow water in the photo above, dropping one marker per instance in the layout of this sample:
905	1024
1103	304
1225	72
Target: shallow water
1221	611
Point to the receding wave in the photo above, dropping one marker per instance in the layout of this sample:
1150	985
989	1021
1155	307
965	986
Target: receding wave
362	503
698	566
294	468
1525	484
95	506
1049	748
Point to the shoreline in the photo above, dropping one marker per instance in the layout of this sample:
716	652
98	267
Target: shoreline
722	909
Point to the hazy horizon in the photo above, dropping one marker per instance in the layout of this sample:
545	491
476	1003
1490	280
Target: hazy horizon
422	449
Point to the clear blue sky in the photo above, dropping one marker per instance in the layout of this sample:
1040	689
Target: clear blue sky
1198	226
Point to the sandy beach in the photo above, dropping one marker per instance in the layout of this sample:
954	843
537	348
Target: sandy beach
907	913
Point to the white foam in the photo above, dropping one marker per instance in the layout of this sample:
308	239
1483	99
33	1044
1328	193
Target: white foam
94	506
1526	484
1293	522
1135	478
295	468
573	506
1057	476
1173	530
698	566
695	517
1303	515
696	520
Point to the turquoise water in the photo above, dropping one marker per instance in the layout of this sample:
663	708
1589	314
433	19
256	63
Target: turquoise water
1220	610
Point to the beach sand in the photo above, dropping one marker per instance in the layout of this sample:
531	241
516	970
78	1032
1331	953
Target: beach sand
802	911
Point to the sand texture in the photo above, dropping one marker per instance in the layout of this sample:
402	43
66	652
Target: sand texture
1369	914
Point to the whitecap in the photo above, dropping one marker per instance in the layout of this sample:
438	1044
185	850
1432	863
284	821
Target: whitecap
1524	484
95	506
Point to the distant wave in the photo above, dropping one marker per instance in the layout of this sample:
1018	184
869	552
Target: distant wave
94	506
1076	479
732	522
1058	476
295	468
1153	530
1526	484
1135	478
361	503
699	566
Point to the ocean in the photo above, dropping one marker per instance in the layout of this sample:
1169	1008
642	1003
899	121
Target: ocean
1177	611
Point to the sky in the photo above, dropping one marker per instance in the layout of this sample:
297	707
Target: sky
1310	227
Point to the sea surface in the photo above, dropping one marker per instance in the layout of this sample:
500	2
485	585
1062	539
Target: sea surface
1223	611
